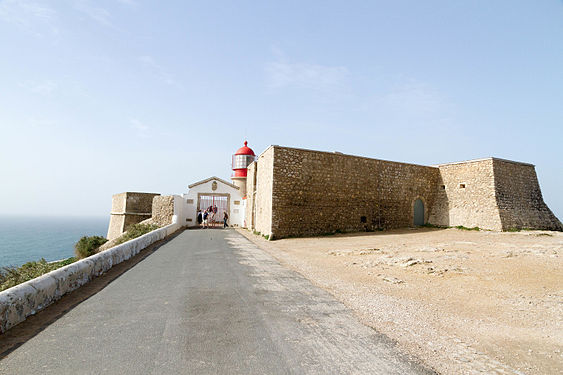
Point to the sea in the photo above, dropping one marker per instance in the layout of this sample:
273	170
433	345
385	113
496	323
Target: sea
25	239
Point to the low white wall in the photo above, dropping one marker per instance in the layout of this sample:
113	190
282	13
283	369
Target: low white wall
26	299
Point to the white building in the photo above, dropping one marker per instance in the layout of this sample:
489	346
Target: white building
216	194
213	194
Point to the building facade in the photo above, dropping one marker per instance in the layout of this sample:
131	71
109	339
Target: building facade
297	192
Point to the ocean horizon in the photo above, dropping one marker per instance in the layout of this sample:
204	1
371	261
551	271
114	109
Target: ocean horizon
26	238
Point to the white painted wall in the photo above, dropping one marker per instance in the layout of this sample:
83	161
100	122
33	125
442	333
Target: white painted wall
178	210
189	211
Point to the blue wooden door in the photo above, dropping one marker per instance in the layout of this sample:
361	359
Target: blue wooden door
418	212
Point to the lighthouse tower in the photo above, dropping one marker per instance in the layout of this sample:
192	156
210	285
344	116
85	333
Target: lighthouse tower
241	159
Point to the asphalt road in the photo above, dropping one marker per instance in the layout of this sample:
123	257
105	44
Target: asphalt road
209	302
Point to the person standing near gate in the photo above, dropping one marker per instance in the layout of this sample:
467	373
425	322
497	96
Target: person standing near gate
205	216
225	218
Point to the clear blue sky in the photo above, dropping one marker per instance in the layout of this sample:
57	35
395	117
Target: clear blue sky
100	97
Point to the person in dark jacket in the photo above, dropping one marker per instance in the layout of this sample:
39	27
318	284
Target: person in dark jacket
225	218
199	217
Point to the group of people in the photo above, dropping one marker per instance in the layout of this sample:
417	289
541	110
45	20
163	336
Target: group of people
207	217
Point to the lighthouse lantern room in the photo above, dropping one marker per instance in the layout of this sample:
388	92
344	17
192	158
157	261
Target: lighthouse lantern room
241	160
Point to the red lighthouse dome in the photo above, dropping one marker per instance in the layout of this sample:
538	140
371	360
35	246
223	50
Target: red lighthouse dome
245	150
241	159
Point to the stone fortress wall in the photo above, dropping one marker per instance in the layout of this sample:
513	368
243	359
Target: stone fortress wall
320	192
465	196
127	209
296	192
519	198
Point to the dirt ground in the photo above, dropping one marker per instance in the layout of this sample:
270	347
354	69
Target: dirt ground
464	302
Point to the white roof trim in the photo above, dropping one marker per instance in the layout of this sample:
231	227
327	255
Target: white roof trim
211	179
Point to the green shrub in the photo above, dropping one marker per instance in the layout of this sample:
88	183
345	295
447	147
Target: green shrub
461	227
135	231
87	246
12	276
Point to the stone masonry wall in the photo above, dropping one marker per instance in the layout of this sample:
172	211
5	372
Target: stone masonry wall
118	203
139	202
250	189
115	228
262	203
296	192
162	210
519	198
320	192
117	219
466	196
127	209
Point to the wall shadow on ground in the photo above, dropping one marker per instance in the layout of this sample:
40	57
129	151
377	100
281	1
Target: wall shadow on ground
33	325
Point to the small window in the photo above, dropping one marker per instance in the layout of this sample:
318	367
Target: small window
443	187
190	201
188	219
363	219
462	186
237	203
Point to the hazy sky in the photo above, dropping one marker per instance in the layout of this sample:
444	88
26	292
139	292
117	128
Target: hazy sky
100	97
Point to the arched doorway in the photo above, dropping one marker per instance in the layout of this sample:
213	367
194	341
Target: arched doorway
418	212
